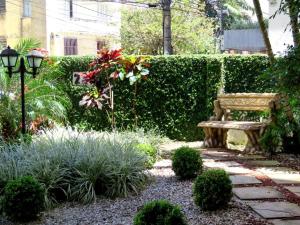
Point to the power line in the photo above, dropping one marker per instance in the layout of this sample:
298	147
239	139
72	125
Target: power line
65	21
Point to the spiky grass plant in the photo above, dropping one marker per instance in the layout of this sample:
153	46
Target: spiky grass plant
77	166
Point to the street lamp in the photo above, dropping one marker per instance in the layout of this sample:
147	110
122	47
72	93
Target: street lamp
9	58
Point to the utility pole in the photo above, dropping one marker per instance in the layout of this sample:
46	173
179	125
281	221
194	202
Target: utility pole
167	32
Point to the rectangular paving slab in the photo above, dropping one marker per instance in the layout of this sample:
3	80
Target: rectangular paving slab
281	175
250	157
263	163
244	179
275	210
254	193
285	222
237	170
294	189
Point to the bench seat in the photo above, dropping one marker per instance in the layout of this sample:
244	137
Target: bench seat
236	125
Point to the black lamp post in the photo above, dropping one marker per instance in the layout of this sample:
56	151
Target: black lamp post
9	58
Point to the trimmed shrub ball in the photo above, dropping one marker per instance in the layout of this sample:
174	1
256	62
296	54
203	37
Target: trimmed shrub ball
159	212
212	190
23	199
186	163
150	151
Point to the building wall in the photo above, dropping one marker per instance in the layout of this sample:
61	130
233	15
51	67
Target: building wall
279	30
14	26
90	21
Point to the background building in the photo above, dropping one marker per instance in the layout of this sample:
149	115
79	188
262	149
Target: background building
64	27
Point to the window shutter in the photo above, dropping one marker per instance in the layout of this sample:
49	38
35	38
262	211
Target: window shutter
70	46
2	6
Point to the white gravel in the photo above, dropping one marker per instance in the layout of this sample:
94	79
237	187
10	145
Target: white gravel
165	186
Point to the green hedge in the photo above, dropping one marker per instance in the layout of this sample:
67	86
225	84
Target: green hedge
178	94
243	73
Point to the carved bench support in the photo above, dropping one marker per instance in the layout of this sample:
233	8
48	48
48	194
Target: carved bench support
215	137
253	141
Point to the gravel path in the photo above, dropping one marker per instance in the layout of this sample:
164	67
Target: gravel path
165	186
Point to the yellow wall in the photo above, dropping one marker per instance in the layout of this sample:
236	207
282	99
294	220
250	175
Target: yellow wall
87	43
14	26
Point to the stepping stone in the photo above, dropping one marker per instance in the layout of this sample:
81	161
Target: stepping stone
165	163
250	157
294	189
281	175
264	163
254	193
275	210
237	170
217	154
222	165
285	222
244	179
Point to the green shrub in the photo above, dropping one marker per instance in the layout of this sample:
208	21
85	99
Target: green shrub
159	212
186	163
23	199
212	190
150	151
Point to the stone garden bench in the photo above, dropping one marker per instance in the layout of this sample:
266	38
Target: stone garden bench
216	128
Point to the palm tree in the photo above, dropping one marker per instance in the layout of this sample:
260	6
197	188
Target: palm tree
43	99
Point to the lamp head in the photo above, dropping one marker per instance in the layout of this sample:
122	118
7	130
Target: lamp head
9	57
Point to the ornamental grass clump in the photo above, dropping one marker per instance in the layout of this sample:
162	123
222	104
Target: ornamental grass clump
23	199
159	212
77	166
187	163
212	190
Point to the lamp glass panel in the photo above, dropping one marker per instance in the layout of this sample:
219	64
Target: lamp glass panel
30	61
13	60
37	62
4	61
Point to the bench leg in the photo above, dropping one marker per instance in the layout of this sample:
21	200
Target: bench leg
215	138
253	141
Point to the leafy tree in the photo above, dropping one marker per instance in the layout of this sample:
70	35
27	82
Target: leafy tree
141	31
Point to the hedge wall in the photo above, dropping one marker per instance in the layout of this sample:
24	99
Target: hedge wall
178	94
243	73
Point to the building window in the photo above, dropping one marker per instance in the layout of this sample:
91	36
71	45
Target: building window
27	8
2	6
101	44
70	46
3	42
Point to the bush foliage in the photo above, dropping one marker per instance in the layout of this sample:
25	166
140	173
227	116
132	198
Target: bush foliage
212	189
150	151
178	94
159	212
186	163
23	199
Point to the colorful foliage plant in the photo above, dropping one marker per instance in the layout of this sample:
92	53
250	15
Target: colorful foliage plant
108	67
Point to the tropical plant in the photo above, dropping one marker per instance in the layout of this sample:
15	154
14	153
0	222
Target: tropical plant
159	212
78	166
109	66
44	101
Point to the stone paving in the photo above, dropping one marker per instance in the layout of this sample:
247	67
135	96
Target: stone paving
245	173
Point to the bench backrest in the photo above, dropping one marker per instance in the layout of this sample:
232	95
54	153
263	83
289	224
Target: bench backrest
248	101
